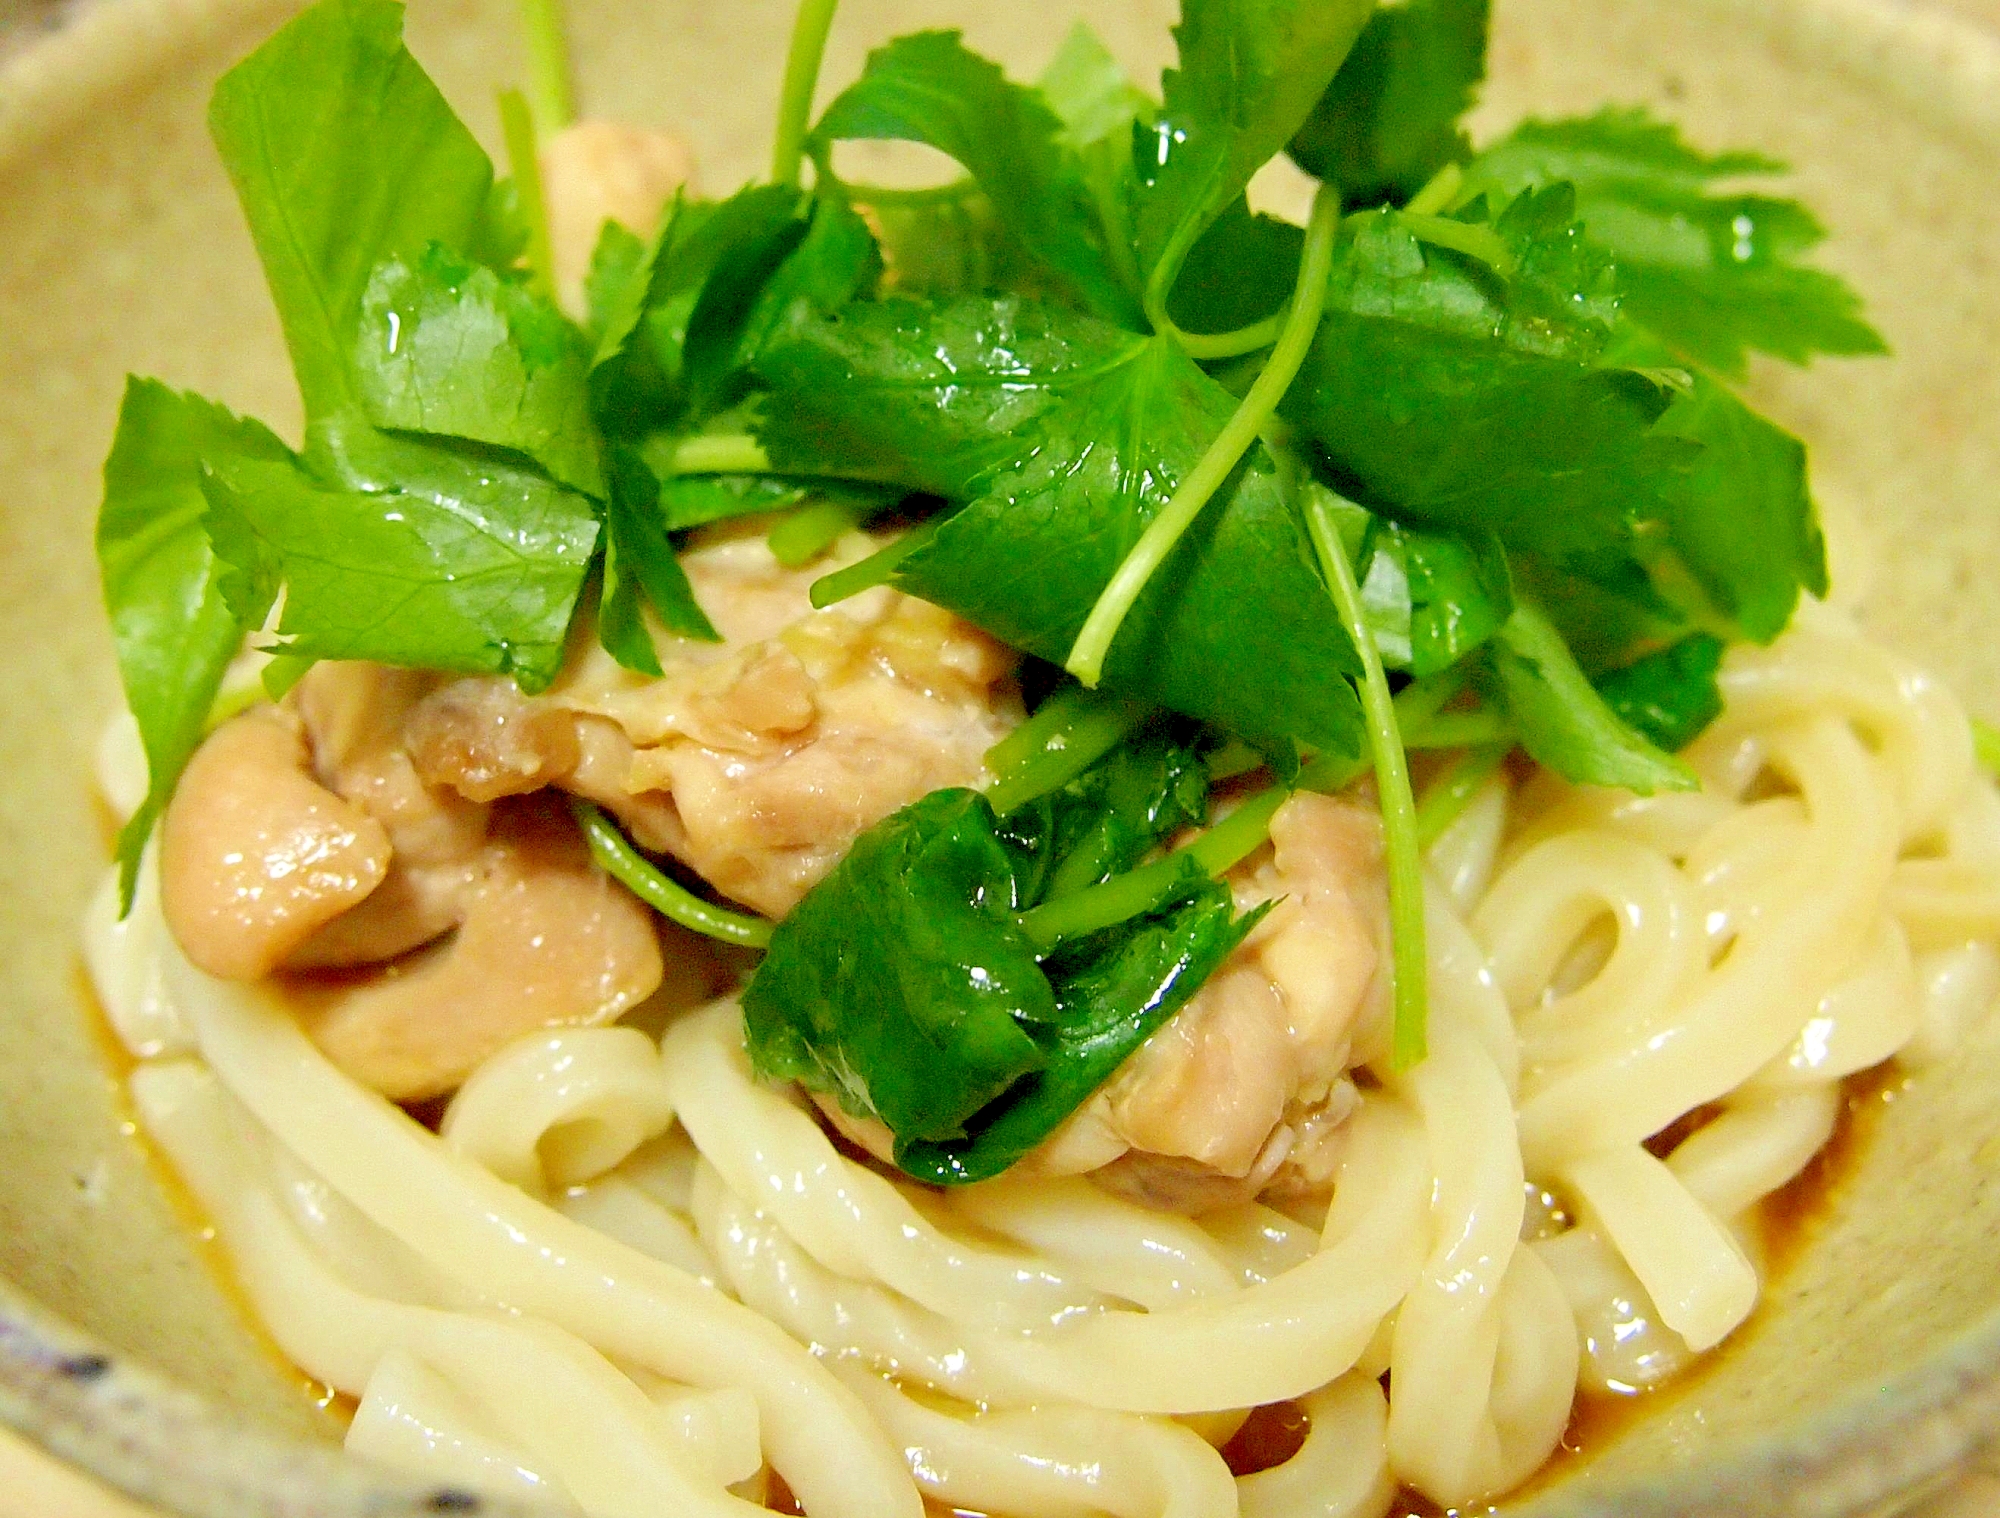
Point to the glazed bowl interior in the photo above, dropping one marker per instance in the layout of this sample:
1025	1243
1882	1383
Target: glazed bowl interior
1874	1363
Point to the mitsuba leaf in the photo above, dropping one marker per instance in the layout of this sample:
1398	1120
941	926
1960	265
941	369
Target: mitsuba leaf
1090	92
1561	720
174	632
1431	598
954	244
930	88
1714	274
903	985
1389	121
1250	71
1066	436
1670	695
447	347
1448	396
1741	517
612	293
900	983
1242	270
422	555
641	569
693	500
1113	991
344	155
1109	818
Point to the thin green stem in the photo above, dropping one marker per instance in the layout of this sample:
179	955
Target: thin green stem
548	65
719	453
1986	745
1437	195
1392	781
1093	644
675	902
1220	848
1446	799
1210	346
1069	732
809	30
518	123
809	531
877	569
1469	238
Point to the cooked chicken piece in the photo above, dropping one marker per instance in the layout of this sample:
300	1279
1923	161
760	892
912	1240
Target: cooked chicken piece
488	740
1242	1091
545	940
756	761
255	854
354	715
599	171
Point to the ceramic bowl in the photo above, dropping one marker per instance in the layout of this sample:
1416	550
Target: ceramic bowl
1874	1366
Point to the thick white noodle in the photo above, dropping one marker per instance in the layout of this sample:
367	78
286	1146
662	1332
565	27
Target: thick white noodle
553	1110
413	1420
632	1277
507	1246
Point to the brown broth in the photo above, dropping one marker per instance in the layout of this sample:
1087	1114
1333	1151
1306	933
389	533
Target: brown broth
119	1063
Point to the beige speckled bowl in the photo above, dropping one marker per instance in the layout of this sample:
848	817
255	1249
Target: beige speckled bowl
1875	1366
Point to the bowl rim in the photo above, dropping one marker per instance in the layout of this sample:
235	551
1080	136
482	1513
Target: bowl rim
115	1418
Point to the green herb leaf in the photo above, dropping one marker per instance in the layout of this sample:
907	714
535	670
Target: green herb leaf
344	155
1561	719
1109	818
1242	271
1068	436
1431	598
1389	120
1250	72
1090	92
424	556
1741	518
641	568
612	293
693	500
929	88
901	983
1447	396
1112	992
447	347
1670	695
174	632
1712	274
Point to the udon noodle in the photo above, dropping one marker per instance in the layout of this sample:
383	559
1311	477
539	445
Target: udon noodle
625	1278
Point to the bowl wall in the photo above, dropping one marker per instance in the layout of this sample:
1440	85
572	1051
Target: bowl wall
1876	1360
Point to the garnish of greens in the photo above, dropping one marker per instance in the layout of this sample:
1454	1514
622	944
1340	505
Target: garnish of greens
1458	468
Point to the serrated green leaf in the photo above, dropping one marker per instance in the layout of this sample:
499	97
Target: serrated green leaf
1561	720
1449	397
1671	694
1066	436
344	155
1713	273
1389	121
447	347
174	632
929	88
424	556
641	569
1249	73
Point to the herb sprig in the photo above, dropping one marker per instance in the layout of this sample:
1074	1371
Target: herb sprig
1459	466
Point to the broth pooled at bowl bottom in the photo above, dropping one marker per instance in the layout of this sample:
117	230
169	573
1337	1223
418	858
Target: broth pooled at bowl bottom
861	766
